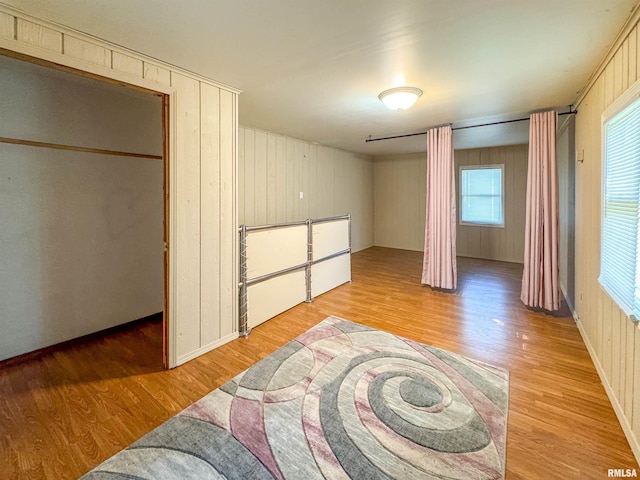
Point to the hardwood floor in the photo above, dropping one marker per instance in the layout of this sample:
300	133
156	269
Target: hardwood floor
65	412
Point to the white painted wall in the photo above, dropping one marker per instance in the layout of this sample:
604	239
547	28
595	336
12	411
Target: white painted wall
82	234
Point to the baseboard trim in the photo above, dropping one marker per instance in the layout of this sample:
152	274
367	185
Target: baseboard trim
40	352
617	408
207	348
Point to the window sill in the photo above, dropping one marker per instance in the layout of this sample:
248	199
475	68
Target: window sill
473	224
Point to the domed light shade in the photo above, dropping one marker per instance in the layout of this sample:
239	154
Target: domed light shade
400	98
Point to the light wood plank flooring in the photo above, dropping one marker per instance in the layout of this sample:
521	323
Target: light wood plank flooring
65	412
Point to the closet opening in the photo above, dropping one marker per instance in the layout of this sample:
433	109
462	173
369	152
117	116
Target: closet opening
84	206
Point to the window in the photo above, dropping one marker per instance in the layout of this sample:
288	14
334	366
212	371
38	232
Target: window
481	199
619	269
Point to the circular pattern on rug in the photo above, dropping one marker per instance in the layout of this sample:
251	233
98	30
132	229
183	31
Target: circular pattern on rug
420	392
392	409
340	401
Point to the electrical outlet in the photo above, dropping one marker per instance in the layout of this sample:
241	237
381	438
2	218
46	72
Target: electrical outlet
301	195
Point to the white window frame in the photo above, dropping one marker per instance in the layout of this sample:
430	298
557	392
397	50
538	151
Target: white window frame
502	195
624	101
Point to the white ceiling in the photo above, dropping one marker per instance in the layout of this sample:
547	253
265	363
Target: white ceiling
313	69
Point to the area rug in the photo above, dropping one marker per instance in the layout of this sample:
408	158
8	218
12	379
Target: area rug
340	401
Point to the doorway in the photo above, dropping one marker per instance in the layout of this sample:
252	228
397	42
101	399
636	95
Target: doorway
84	190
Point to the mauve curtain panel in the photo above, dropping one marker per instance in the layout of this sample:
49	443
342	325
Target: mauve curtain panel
540	284
439	265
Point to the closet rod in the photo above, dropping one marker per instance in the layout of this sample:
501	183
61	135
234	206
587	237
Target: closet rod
570	112
58	146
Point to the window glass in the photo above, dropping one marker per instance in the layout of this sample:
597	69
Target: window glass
481	199
619	269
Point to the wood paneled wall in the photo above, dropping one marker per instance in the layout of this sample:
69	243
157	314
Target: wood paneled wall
399	203
565	145
612	339
399	185
202	137
274	169
495	243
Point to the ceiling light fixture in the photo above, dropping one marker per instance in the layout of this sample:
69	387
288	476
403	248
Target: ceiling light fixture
400	98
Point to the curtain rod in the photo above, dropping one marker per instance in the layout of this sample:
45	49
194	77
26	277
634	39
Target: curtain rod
73	148
570	112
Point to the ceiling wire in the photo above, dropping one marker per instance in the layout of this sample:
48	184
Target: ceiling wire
570	112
